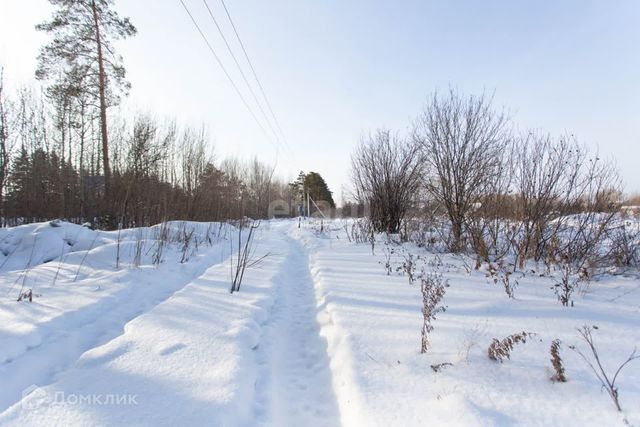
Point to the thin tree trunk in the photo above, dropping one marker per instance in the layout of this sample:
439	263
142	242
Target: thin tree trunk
103	112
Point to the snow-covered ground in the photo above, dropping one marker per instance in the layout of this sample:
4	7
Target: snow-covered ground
319	334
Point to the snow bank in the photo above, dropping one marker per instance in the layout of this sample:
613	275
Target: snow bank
187	361
81	299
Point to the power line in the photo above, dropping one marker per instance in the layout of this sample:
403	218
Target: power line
255	75
253	94
226	73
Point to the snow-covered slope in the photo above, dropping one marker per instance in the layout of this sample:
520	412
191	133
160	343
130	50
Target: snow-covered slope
319	334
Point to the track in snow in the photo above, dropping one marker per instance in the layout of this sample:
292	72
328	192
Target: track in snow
294	386
73	333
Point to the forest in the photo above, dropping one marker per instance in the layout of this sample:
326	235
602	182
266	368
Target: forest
68	151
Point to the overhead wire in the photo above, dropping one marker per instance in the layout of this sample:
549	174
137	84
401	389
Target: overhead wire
226	73
244	77
255	74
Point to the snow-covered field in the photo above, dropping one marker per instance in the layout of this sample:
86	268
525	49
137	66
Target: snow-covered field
319	334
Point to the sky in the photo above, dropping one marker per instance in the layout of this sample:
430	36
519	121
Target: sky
334	70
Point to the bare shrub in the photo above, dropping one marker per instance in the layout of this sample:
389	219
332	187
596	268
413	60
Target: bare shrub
433	289
608	382
186	239
500	273
162	238
420	231
139	247
489	223
625	244
361	231
556	362
595	197
462	140
540	184
567	199
344	225
569	282
246	255
501	350
386	173
388	253
409	265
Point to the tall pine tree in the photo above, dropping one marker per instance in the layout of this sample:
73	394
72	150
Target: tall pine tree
81	59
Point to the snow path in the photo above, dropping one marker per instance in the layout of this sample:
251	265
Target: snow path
294	387
198	356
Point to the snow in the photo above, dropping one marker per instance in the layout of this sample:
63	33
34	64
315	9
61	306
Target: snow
318	334
372	323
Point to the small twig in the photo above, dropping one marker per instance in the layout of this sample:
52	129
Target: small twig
608	384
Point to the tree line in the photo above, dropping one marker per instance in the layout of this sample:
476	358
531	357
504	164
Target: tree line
159	170
64	153
500	191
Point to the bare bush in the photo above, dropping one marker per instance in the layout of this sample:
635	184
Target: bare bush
187	236
540	184
361	231
388	253
501	350
246	255
501	273
567	199
386	173
409	265
625	244
462	140
608	382
161	238
489	223
569	281
433	289
138	247
422	231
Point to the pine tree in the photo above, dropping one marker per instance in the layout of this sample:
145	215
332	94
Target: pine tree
19	185
81	59
318	188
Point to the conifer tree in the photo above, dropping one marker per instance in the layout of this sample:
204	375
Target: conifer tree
80	59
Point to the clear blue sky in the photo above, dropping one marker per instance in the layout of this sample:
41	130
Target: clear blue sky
335	69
